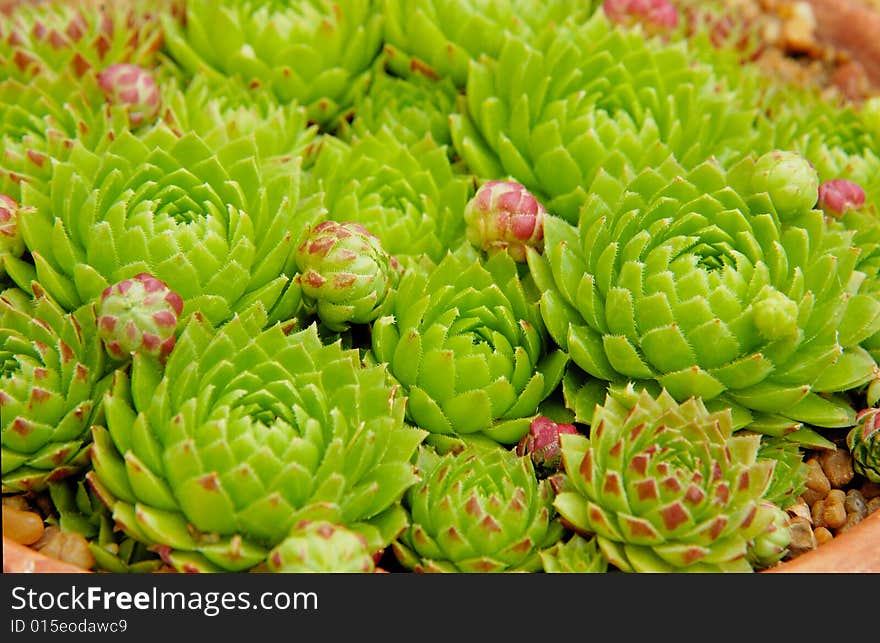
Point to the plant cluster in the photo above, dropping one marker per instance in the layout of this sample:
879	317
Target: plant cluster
466	285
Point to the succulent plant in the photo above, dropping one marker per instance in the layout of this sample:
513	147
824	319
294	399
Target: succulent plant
477	510
440	38
589	96
790	472
666	486
504	217
411	108
208	222
771	546
135	88
139	315
836	196
60	37
688	280
542	444
78	510
345	274
465	340
863	441
224	110
213	460
577	555
317	53
321	546
51	382
407	193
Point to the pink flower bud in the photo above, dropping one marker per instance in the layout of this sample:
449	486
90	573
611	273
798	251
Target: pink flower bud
134	87
542	443
839	195
139	315
504	216
652	14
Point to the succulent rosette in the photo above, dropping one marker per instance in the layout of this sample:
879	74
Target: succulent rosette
224	110
407	194
477	510
863	441
345	274
213	224
552	111
78	510
440	38
411	108
770	546
690	280
790	472
60	37
465	339
317	53
42	117
666	486
321	547
212	461
51	382
577	555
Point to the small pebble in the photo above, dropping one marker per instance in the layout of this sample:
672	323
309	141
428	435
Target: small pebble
855	503
16	502
851	521
24	527
69	547
817	513
816	479
834	510
801	509
823	535
802	537
837	466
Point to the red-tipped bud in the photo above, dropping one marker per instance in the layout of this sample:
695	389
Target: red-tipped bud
652	14
839	195
140	314
135	88
542	443
505	216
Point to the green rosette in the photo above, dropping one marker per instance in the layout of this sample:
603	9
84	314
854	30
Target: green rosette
216	225
666	487
247	431
48	38
466	341
317	53
406	193
577	555
411	108
322	547
51	383
863	442
692	281
440	38
553	111
477	510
